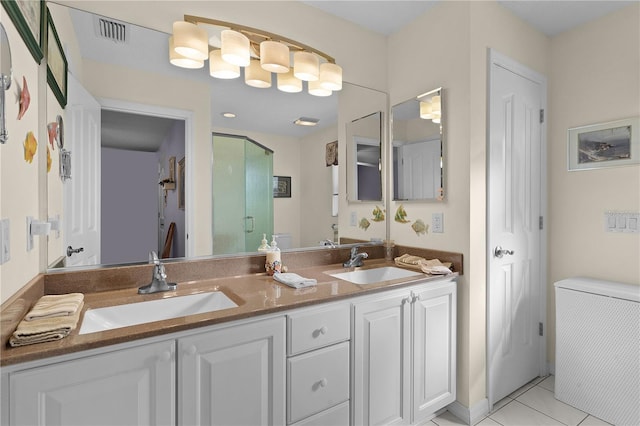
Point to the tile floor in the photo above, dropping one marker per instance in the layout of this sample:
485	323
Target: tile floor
531	405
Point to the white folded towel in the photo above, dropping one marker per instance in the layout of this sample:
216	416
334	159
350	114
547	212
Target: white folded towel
294	280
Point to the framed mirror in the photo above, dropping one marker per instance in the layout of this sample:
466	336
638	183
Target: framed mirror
364	163
114	76
418	148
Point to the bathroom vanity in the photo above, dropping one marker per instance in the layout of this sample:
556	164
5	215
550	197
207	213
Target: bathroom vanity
336	353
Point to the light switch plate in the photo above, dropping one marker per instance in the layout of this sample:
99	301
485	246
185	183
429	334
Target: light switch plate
625	222
353	221
437	223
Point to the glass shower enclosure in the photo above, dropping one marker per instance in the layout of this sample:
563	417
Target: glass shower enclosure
242	194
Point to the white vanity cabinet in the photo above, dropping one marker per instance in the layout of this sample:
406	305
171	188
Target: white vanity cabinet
133	386
404	350
234	375
318	365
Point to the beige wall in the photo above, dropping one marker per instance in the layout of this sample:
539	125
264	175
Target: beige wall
595	78
21	182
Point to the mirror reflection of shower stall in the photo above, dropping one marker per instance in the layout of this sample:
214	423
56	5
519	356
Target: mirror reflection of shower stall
242	193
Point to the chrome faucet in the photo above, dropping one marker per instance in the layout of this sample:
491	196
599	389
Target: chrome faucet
356	258
158	279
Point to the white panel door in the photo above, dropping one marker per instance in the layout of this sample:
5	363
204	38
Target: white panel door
434	349
420	170
127	387
514	210
382	359
81	221
234	376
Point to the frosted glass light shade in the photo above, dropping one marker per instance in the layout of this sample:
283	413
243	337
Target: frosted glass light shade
256	76
330	76
316	89
182	61
235	48
435	102
190	41
274	56
306	66
219	68
426	111
288	83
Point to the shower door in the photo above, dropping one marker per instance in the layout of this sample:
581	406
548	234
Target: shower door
242	194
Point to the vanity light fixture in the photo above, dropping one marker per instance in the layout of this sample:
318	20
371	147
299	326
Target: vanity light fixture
431	106
306	121
228	115
259	52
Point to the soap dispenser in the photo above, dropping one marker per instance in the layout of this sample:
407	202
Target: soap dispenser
264	244
273	264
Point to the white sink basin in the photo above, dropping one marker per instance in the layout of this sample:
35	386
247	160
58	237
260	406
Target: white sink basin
375	275
111	317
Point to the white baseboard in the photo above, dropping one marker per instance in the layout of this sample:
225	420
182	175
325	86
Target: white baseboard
470	416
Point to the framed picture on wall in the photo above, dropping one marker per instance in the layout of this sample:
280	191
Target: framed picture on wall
56	64
282	187
611	144
29	16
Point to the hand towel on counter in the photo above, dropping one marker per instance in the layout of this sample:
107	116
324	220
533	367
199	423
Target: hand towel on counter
433	266
294	280
45	329
56	305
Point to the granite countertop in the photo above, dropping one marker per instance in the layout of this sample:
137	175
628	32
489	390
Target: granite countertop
255	294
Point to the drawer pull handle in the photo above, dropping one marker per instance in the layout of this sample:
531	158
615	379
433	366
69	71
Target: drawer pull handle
320	331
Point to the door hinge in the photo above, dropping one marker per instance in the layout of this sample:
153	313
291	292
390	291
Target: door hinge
541	116
540	329
541	223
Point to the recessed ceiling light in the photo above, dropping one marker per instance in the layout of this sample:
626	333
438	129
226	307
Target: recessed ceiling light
228	115
306	121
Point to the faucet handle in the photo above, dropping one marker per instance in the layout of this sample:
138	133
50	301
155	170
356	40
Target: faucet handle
354	250
153	258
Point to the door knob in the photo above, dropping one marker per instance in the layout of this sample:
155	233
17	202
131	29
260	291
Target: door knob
71	250
499	252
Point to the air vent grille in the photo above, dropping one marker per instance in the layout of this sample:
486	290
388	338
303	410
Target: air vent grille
112	30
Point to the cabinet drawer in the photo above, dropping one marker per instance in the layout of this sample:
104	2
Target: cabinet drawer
317	380
318	328
335	416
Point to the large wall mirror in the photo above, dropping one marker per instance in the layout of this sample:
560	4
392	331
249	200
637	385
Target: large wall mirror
302	217
418	147
364	163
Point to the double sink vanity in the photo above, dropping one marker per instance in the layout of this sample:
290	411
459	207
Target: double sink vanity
371	345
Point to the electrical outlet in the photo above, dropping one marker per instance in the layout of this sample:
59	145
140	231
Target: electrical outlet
5	242
353	219
437	223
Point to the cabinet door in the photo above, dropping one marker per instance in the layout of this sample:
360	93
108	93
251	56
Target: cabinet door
434	349
126	387
234	375
381	360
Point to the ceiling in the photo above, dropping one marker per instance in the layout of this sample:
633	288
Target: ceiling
382	16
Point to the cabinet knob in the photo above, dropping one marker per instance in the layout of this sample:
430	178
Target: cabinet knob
406	300
165	356
323	330
323	383
191	350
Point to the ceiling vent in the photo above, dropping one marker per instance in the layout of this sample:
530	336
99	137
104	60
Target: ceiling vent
109	29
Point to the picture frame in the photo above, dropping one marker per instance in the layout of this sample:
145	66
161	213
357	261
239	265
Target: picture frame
181	184
610	144
282	187
57	65
29	17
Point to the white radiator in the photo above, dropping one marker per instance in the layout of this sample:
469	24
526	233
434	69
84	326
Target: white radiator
598	348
